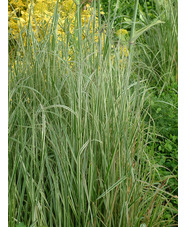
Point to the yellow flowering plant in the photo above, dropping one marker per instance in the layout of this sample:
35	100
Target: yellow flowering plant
39	14
122	34
121	47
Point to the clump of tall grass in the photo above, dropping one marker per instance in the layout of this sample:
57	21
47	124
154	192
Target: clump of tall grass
78	136
159	46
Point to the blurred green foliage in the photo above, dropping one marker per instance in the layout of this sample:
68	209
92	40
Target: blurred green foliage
125	11
164	111
20	225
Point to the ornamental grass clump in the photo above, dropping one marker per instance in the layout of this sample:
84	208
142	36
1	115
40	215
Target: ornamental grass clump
78	134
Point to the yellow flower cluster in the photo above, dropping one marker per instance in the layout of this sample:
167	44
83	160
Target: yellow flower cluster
20	12
122	32
16	15
41	15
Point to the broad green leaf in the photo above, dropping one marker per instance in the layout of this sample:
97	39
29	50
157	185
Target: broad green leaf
144	29
141	14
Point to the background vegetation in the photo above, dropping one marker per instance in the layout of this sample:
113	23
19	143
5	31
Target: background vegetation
93	113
